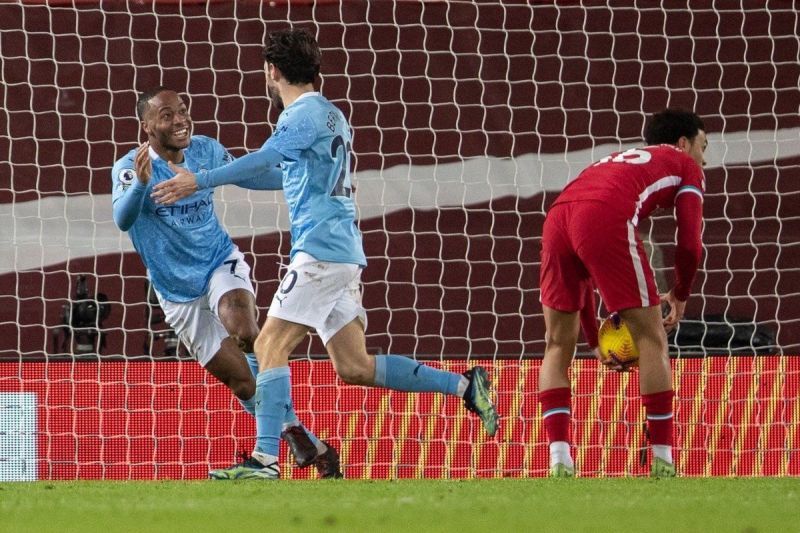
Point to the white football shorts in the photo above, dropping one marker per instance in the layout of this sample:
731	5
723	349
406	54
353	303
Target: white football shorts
197	323
321	295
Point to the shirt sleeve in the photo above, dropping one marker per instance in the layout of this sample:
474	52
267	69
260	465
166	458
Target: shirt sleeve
127	196
269	180
689	249
255	170
693	180
293	135
221	155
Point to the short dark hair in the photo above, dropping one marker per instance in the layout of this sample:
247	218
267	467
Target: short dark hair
670	125
296	54
143	102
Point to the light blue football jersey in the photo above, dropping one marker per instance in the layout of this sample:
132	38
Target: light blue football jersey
314	138
180	244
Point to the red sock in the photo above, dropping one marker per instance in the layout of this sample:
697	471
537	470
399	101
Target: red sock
658	408
556	413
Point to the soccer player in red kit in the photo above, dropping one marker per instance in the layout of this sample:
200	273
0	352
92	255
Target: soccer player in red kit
590	240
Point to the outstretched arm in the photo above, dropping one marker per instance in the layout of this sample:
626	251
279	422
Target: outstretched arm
256	170
269	180
128	205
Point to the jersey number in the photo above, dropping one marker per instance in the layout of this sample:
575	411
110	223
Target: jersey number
342	187
633	156
232	263
288	282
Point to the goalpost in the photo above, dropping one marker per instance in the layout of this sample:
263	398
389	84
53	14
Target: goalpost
468	117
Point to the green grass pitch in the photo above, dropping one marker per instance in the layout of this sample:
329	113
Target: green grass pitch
731	505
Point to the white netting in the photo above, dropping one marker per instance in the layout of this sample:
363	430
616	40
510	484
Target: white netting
468	118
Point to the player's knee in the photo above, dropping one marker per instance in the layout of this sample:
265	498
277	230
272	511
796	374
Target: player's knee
354	374
244	389
236	310
560	340
245	335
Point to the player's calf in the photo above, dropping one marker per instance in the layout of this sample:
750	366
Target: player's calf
354	374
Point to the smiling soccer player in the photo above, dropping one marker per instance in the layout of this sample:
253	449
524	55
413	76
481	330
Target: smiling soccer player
200	277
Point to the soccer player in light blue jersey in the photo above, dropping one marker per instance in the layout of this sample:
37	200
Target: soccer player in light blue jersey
199	275
321	289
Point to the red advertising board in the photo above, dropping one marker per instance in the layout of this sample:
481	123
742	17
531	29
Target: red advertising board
171	420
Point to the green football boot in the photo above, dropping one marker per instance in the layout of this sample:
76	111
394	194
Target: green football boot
249	468
477	398
661	469
560	470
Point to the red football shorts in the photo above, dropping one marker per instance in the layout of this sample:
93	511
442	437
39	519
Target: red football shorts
584	242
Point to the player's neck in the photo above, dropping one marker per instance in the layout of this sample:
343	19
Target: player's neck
290	93
173	156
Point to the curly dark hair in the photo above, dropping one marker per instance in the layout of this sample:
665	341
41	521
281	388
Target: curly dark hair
670	125
296	54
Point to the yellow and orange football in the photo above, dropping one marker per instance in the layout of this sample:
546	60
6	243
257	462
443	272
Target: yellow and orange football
616	343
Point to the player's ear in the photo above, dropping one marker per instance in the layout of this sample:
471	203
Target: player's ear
273	72
684	144
145	127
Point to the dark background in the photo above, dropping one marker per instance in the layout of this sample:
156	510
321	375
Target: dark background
423	83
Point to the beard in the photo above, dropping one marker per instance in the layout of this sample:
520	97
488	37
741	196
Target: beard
275	97
167	143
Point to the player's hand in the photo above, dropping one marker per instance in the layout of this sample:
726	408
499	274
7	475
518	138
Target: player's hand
143	163
610	363
183	184
675	311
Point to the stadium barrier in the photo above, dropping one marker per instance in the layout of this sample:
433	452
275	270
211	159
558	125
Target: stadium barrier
171	420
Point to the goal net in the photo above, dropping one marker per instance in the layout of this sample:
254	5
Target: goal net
468	118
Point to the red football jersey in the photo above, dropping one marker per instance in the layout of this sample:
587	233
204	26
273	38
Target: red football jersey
632	184
637	181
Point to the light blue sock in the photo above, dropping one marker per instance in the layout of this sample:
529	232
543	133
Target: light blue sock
291	417
273	401
249	405
252	362
403	373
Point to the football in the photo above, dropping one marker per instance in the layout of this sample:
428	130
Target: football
615	342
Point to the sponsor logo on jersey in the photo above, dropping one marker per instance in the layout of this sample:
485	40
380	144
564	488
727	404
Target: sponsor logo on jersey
188	214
